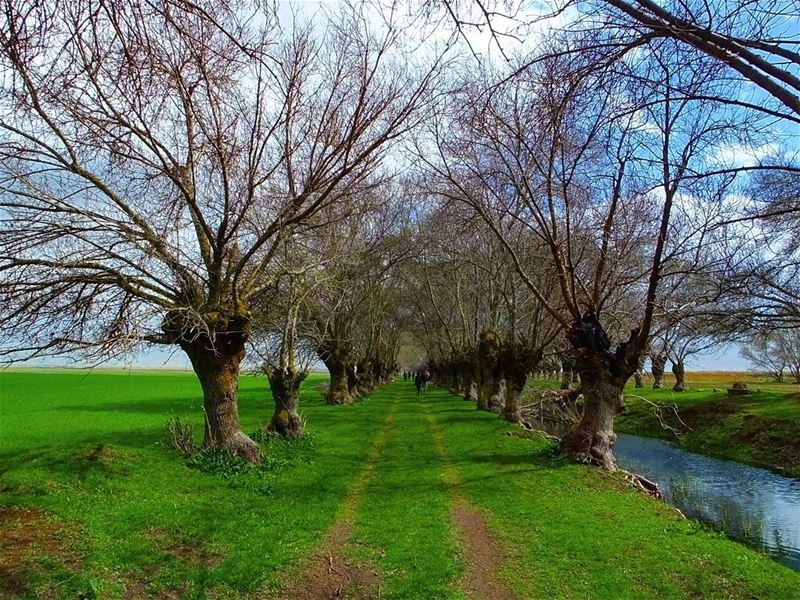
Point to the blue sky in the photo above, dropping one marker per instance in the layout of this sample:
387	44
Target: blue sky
727	359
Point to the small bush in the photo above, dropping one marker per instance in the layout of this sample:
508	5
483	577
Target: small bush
180	436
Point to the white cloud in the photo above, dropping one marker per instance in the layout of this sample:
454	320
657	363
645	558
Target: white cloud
744	155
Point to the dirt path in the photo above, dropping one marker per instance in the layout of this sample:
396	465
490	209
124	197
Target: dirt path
328	573
482	554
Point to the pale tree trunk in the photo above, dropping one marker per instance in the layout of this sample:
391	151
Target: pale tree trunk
657	364
471	394
638	376
594	437
515	384
217	368
679	371
285	387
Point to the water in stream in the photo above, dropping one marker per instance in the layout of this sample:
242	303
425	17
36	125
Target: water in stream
755	506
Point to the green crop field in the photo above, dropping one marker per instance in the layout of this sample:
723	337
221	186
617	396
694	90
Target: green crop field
95	505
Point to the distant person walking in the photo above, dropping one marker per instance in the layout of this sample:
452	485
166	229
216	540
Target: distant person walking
421	381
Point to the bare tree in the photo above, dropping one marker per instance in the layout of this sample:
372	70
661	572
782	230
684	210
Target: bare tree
764	352
278	344
155	155
484	331
749	38
763	280
773	352
658	362
364	249
594	161
753	41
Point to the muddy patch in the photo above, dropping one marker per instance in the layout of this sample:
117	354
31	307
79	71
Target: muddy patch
188	551
330	575
27	535
139	591
483	556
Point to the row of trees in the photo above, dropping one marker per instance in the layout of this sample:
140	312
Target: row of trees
180	173
599	167
263	191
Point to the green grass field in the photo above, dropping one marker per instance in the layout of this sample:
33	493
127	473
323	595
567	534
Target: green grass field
94	505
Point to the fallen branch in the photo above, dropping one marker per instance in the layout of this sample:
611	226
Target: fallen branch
660	409
644	484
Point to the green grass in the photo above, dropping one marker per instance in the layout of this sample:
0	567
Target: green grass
140	500
87	450
761	429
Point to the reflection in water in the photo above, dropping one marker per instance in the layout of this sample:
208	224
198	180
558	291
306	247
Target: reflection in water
755	506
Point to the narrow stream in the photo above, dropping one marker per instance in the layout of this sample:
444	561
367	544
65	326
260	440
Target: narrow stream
752	505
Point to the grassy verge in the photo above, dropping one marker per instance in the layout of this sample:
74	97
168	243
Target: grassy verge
762	428
403	523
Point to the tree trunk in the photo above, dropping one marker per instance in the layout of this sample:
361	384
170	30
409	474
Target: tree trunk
484	391
217	368
657	363
567	369
497	393
593	438
603	375
680	376
285	387
637	377
339	388
514	387
352	382
471	394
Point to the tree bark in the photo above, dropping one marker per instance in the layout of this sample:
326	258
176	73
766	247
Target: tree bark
339	388
657	363
285	387
487	371
603	374
514	387
594	437
679	371
638	378
216	365
471	394
497	393
638	375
